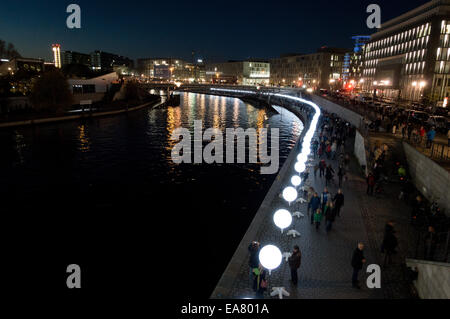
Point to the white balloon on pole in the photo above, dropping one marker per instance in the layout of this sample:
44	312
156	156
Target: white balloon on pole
282	218
270	257
296	180
290	194
300	167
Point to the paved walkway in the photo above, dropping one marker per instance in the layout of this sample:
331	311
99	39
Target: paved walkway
325	271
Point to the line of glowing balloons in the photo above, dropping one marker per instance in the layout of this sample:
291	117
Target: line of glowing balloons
270	256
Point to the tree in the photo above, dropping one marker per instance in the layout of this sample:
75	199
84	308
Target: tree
51	92
8	51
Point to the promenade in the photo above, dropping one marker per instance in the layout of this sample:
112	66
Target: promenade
325	271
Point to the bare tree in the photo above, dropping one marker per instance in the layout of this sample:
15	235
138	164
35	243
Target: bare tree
8	51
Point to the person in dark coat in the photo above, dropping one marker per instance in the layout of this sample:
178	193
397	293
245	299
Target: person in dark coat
314	204
341	174
329	174
370	183
329	215
294	263
389	242
338	202
358	260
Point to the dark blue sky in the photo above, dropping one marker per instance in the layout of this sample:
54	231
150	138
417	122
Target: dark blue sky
215	29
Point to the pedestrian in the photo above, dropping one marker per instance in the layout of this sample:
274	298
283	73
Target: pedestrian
347	160
329	215
448	137
329	174
318	218
259	281
338	202
328	150
341	174
389	243
295	261
324	197
357	264
316	168
370	183
333	150
314	204
430	136
253	249
422	134
309	196
322	167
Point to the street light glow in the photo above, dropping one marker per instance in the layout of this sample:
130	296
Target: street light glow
270	257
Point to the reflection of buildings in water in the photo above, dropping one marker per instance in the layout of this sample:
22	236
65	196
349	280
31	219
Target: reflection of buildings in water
173	122
83	138
236	113
216	117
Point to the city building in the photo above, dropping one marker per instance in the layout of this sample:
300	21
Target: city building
24	64
250	72
322	69
72	57
56	48
92	89
108	62
409	57
353	64
171	69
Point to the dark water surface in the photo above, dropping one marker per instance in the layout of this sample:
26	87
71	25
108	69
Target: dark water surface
106	195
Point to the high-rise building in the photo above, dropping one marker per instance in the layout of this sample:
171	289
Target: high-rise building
57	55
72	57
353	63
321	69
409	57
109	62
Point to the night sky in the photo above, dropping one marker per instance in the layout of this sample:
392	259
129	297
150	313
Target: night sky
216	30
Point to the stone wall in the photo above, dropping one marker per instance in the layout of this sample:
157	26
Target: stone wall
360	150
432	180
353	118
433	281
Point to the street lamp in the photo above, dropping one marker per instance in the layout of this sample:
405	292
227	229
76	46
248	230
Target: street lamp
270	257
300	167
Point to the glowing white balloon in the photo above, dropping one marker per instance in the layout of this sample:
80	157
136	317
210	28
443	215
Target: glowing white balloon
300	167
282	218
290	194
270	257
302	157
296	180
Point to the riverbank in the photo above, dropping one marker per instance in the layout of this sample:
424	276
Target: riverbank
84	115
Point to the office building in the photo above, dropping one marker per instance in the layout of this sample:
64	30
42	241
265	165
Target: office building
56	48
318	70
409	57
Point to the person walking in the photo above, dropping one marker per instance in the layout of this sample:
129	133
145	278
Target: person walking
294	264
338	202
370	183
259	281
314	204
324	198
448	137
318	218
329	174
389	243
341	174
329	215
309	196
430	136
322	167
358	260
